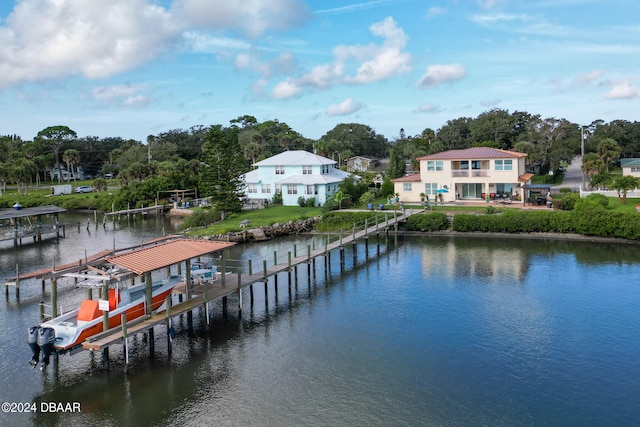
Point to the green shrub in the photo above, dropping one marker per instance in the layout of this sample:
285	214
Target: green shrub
367	198
599	199
201	218
435	221
302	202
566	202
311	202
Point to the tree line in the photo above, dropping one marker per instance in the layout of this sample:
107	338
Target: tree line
180	157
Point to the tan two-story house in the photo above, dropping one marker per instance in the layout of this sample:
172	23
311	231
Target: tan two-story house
477	173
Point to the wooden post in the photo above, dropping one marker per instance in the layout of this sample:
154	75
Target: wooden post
152	342
123	320
54	298
265	278
187	268
17	282
206	301
149	293
223	269
251	285
167	304
239	292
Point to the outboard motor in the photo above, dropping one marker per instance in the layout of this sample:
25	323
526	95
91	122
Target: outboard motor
46	338
32	340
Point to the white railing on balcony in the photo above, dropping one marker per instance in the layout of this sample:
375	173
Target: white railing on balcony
459	173
480	172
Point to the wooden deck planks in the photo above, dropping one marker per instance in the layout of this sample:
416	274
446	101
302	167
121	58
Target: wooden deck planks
217	290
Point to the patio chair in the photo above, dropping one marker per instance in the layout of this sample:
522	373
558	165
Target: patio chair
380	207
370	207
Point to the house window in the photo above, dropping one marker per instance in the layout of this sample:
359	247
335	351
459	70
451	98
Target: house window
635	168
252	188
292	189
504	165
279	170
307	170
406	186
435	165
430	188
325	168
311	189
266	188
278	188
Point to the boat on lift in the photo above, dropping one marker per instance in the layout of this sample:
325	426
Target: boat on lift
68	331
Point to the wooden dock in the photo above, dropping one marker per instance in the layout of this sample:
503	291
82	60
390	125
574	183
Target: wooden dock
13	227
233	284
142	211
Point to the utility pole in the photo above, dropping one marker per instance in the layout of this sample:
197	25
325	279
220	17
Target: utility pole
582	155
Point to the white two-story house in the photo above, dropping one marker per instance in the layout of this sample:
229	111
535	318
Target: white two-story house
477	173
294	174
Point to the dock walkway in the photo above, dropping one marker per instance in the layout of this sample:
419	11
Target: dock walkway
229	284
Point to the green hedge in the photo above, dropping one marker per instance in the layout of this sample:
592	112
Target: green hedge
435	221
588	221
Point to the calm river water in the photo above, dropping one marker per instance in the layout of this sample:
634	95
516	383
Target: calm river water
432	331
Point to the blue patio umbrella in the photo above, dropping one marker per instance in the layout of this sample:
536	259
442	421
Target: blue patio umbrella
442	190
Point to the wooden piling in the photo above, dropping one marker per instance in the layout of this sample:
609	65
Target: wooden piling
123	320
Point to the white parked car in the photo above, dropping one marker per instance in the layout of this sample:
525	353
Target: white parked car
84	189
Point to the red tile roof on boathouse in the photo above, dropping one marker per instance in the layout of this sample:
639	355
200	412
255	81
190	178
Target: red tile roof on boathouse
165	254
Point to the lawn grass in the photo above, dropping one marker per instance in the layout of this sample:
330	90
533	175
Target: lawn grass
259	218
615	204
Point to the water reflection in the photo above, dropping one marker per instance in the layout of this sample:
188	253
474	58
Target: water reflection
433	330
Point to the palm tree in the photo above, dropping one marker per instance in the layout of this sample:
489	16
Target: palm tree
608	150
624	184
71	157
339	197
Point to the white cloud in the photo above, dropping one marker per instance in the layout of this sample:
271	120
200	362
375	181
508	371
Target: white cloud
623	89
121	94
348	106
286	89
49	39
439	74
283	63
137	101
205	43
46	39
428	108
435	11
376	62
388	59
252	17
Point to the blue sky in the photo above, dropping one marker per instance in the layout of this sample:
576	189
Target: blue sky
133	68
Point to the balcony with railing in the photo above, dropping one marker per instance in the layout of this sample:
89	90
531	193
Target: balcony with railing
470	168
465	173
